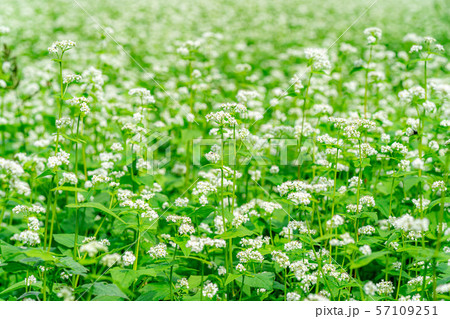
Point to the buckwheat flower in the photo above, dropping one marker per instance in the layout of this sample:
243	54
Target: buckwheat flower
370	288
429	40
300	198
210	289
347	239
243	133
186	229
296	81
444	288
35	208
69	178
280	258
439	186
274	169
117	147
30	280
128	258
66	293
335	221
421	203
144	94
27	237
434	146
368	201
65	276
418	281
416	297
373	35
3	85
59	159
221	270
260	291
366	230
293	245
61	46
181	202
439	48
429	106
241	268
385	287
110	260
158	251
4	30
33	223
249	255
318	59
84	109
70	78
418	164
415	48
292	296
63	122
404	165
93	247
182	284
212	157
365	250
221	118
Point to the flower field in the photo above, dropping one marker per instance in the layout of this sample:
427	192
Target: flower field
224	150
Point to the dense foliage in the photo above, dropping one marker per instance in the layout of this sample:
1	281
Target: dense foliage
221	150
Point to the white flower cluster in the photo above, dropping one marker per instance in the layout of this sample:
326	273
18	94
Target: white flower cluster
298	226
221	118
210	289
92	247
373	35
35	208
128	258
144	94
158	251
250	255
318	59
61	46
59	159
408	223
198	243
280	258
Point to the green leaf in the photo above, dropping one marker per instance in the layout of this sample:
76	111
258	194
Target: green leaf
73	139
20	285
261	280
67	240
125	277
235	232
97	206
202	212
182	241
194	281
232	277
69	262
105	289
40	253
68	189
365	260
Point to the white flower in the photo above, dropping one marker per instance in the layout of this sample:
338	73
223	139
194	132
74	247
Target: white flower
158	251
365	250
128	258
61	46
292	296
318	59
30	280
210	289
